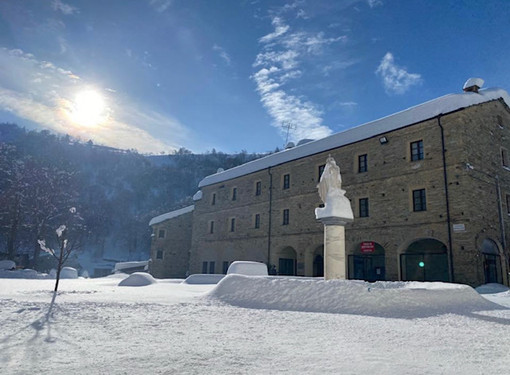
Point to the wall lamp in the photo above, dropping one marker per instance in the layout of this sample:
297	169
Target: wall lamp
383	140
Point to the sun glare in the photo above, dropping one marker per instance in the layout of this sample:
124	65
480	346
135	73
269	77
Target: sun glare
88	109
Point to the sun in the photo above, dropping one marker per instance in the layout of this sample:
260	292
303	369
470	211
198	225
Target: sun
88	108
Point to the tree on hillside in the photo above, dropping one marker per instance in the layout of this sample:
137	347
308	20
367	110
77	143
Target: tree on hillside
49	195
117	192
12	196
32	196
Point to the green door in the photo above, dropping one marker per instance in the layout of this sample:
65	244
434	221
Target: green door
287	267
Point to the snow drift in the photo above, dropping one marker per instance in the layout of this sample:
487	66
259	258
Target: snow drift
7	265
203	278
68	273
138	279
22	274
406	300
247	268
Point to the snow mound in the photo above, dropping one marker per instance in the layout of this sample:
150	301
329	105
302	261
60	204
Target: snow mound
406	300
492	288
68	273
121	276
247	268
138	279
203	278
22	274
7	265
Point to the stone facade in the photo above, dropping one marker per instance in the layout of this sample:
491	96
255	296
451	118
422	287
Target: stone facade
443	216
170	244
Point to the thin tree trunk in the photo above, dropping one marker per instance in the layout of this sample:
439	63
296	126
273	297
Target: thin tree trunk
60	261
11	241
37	251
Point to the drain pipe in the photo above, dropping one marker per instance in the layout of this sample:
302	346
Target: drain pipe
500	214
269	220
448	218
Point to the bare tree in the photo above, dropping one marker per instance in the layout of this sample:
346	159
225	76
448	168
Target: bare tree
68	239
50	194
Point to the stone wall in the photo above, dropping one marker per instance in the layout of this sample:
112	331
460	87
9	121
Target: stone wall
473	135
170	246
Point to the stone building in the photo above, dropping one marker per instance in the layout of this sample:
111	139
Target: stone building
171	243
429	187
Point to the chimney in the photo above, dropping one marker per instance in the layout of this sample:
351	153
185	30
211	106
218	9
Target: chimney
473	85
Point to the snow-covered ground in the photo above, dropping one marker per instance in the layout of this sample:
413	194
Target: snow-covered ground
253	325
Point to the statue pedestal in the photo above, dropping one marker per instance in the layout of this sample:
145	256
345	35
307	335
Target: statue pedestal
335	214
334	248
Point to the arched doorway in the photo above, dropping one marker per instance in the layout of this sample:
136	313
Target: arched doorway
318	262
367	262
491	262
287	262
425	260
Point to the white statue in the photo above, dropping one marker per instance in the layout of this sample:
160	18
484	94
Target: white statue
336	204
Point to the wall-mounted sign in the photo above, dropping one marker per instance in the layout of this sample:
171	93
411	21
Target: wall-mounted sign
459	228
367	247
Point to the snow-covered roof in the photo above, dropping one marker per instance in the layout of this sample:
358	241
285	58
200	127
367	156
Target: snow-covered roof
197	196
419	113
132	264
171	215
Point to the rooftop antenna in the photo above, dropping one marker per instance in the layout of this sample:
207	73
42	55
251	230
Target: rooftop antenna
287	125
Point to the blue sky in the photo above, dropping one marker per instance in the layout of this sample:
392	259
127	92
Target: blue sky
157	75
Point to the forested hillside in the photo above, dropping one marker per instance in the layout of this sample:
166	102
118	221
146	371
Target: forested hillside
116	192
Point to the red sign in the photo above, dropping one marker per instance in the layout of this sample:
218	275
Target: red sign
367	247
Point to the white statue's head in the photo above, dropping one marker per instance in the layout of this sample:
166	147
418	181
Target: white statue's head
330	181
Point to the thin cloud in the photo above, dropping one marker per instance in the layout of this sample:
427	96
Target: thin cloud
279	29
160	6
66	9
292	6
396	79
337	65
347	104
302	14
375	3
62	42
223	54
344	106
286	59
278	63
43	93
315	43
